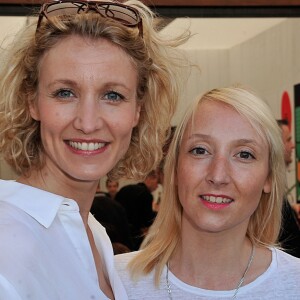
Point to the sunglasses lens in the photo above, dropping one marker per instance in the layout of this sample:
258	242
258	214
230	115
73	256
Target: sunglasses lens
119	13
127	16
65	8
122	14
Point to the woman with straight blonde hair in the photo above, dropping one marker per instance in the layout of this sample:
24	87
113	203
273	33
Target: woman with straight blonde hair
216	231
87	89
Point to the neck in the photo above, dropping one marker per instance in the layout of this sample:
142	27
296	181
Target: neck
82	192
211	262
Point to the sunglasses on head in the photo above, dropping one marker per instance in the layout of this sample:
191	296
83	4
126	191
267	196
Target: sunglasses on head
126	15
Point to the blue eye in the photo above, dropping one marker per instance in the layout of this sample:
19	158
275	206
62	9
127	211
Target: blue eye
245	155
113	96
63	93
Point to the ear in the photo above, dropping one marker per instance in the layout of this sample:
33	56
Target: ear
268	185
137	115
34	111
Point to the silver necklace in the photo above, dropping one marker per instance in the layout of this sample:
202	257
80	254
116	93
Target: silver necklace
236	289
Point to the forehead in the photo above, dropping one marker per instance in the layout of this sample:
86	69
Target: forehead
218	119
87	63
86	51
214	112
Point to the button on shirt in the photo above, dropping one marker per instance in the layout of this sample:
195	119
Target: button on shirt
44	249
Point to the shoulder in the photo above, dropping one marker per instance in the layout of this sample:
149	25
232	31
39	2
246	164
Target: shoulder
122	260
121	265
141	288
286	262
281	279
127	188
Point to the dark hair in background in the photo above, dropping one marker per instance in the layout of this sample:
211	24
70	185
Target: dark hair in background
281	122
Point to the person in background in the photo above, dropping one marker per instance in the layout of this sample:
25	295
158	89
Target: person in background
112	216
137	200
288	143
289	147
216	231
290	231
112	187
86	90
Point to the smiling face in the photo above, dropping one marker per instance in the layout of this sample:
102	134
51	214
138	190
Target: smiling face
87	107
222	170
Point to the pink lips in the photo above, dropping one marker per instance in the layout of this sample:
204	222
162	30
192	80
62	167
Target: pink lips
215	205
87	152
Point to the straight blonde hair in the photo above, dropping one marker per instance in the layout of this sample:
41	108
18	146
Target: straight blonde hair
264	225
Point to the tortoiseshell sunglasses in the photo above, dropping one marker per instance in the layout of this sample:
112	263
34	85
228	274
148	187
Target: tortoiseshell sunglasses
119	12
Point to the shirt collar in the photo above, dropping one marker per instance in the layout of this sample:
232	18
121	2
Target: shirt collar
41	205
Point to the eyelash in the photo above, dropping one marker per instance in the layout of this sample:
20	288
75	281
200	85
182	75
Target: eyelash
194	151
251	156
58	93
120	97
117	96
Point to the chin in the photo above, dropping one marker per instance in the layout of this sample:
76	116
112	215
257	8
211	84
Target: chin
87	176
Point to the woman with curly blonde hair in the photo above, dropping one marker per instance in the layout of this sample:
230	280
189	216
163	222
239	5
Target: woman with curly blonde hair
88	89
216	231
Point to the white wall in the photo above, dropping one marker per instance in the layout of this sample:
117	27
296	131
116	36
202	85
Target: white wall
9	26
269	63
212	71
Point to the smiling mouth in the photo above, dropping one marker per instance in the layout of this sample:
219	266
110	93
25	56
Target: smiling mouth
216	199
86	146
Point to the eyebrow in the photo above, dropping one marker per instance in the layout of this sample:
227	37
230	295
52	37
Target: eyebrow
62	81
238	141
107	85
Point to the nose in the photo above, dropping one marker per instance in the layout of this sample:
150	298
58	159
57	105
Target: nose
88	117
218	171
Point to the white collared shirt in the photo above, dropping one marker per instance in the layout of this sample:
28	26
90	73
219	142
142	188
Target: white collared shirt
44	249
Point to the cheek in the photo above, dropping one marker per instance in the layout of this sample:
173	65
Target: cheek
51	123
253	187
123	122
52	114
122	132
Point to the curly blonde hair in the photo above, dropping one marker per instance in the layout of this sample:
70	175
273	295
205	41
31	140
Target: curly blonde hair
157	62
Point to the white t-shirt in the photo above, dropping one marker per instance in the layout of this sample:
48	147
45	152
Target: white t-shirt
280	281
44	249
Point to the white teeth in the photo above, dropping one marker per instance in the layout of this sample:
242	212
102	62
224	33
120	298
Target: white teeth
219	200
214	199
86	146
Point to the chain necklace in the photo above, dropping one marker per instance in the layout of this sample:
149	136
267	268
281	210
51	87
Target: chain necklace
236	289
